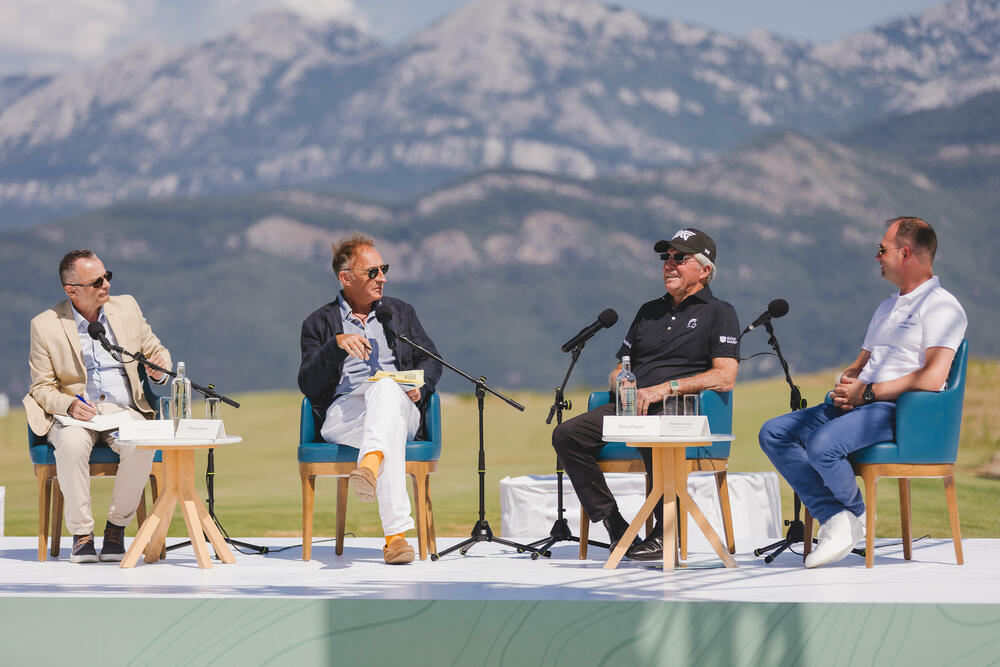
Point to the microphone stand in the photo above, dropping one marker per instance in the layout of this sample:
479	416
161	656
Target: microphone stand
796	529
208	392
481	532
561	531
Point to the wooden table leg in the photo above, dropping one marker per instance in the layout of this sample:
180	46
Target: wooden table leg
664	461
640	518
706	529
189	501
162	511
159	537
215	537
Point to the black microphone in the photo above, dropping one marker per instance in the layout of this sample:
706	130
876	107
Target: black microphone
384	317
606	319
777	308
99	333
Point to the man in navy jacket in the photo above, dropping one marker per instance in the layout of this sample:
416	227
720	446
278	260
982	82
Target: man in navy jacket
343	344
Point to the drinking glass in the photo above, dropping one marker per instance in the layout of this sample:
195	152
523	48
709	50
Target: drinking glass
213	408
167	407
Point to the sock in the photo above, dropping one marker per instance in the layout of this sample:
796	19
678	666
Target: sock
372	461
390	538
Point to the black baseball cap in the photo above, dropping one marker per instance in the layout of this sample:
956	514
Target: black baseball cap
689	240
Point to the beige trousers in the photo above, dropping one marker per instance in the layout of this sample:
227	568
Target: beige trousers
72	446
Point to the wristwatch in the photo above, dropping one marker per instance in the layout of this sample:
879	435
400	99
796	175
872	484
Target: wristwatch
675	387
869	395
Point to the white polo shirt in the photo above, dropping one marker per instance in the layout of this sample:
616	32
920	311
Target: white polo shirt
903	327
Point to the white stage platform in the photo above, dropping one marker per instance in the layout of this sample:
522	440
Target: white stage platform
492	572
497	607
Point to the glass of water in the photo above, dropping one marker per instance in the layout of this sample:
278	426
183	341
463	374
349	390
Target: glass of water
213	408
167	408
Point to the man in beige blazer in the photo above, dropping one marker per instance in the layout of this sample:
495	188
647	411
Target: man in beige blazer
67	365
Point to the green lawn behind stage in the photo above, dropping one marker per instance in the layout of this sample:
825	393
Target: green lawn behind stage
258	488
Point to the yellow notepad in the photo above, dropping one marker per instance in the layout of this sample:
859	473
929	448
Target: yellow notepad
407	379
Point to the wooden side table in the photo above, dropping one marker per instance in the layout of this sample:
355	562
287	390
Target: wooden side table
178	465
670	483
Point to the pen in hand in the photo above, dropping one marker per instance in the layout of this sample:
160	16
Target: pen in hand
83	400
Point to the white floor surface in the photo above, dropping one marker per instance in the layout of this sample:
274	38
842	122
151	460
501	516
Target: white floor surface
493	572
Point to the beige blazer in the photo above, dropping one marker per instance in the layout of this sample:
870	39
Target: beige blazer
56	360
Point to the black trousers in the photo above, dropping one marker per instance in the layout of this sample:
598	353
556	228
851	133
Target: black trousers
577	442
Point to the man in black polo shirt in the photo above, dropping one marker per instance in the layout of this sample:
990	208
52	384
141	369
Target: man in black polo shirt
682	343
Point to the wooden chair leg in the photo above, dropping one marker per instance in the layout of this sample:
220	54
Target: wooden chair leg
57	516
584	533
155	475
904	517
956	529
682	523
419	477
341	514
431	535
871	502
42	476
807	534
722	487
308	496
140	510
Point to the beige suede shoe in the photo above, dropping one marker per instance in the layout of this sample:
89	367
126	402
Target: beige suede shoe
399	552
363	481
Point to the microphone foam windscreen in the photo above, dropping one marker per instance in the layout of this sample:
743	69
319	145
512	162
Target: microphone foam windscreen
608	317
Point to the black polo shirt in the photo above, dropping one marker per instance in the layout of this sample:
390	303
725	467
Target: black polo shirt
667	342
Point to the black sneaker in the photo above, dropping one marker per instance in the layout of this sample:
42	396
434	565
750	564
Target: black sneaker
113	547
83	549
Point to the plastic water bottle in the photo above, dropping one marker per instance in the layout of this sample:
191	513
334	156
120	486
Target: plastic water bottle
180	390
625	390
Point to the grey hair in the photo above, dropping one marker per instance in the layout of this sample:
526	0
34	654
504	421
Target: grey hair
705	261
346	249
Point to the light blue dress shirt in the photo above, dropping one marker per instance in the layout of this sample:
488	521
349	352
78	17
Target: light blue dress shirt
382	357
107	381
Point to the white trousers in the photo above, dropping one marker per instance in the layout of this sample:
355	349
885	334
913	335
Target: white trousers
72	446
379	417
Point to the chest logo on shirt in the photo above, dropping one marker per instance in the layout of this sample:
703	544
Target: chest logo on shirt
692	323
909	322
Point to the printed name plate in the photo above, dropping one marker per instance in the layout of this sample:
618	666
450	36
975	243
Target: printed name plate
629	427
684	425
155	429
208	429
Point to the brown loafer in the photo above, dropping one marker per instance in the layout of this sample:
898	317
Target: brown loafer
399	552
363	481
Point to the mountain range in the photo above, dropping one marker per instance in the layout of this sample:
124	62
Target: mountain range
504	266
563	87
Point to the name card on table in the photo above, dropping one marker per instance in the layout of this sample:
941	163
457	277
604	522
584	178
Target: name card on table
628	427
684	425
207	429
142	429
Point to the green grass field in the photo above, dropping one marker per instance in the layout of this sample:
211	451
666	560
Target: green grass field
258	489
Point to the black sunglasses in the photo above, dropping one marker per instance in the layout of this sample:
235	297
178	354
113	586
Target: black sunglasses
95	284
678	257
373	272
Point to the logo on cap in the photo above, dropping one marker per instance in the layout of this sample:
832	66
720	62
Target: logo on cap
685	234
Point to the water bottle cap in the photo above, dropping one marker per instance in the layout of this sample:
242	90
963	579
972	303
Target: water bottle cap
180	367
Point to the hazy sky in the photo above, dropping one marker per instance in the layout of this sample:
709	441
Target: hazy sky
69	34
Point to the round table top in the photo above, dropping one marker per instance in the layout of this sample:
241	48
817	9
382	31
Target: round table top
668	440
181	443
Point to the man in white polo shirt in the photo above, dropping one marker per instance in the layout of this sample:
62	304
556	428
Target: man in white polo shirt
910	344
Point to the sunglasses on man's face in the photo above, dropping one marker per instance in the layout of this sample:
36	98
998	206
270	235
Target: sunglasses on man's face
678	257
373	272
97	283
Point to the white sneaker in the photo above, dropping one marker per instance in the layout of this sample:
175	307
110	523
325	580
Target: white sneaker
837	537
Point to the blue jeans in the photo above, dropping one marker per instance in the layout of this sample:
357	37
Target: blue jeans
810	447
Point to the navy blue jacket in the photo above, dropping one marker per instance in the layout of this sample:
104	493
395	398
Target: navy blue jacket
323	362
